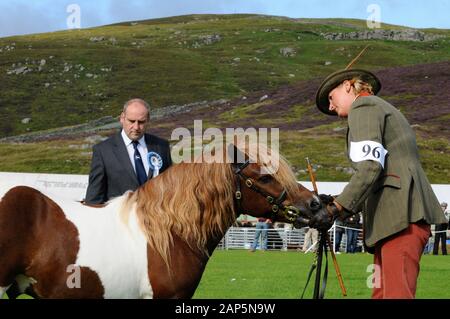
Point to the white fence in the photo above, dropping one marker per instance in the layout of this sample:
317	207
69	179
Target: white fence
290	239
67	186
278	239
74	186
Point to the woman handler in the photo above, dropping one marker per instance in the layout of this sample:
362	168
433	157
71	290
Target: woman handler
389	186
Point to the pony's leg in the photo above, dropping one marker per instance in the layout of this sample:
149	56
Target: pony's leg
3	290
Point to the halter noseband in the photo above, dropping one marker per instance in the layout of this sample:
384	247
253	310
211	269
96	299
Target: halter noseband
289	212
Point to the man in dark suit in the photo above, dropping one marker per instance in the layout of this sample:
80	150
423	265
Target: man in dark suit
127	159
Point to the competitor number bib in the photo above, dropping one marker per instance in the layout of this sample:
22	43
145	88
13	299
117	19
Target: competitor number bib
367	151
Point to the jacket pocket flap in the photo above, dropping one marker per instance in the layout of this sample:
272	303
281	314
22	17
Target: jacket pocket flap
388	180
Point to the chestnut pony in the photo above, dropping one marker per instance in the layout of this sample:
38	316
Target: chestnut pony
151	243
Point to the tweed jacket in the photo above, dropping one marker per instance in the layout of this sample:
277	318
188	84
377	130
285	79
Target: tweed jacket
392	193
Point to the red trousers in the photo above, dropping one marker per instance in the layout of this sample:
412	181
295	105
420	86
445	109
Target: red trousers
397	261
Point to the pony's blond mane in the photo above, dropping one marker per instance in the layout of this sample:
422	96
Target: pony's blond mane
193	201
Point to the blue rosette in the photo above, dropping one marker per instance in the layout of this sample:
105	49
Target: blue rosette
155	162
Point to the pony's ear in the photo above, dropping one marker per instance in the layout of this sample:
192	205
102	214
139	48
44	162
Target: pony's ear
236	156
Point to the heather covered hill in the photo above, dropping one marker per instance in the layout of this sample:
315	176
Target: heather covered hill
87	74
65	89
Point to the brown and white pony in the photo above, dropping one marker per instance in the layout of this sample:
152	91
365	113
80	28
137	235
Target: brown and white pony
151	243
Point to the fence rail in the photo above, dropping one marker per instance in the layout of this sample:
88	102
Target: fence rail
278	238
285	239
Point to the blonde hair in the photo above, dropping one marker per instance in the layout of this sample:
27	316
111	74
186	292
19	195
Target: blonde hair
361	86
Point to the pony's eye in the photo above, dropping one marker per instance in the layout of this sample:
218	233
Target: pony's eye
265	179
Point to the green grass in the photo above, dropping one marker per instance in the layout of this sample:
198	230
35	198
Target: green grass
45	157
321	144
239	274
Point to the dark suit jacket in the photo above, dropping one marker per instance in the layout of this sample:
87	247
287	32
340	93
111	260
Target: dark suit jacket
112	173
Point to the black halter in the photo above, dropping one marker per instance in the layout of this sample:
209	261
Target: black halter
289	212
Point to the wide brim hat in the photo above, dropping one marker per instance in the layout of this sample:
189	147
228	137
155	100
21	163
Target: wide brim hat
336	78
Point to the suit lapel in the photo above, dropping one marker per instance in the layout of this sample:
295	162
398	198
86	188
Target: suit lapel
151	147
121	153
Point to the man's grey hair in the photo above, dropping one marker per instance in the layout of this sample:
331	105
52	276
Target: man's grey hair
140	101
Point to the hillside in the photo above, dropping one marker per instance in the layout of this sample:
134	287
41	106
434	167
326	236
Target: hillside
261	71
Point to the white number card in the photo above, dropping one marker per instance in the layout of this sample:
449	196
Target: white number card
367	151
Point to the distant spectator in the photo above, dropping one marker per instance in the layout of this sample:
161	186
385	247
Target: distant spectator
446	212
339	231
244	222
440	235
429	246
353	224
311	240
262	228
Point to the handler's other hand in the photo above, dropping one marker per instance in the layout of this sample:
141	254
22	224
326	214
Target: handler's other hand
326	199
324	221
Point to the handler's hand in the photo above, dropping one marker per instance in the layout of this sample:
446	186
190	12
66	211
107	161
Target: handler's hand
323	222
326	199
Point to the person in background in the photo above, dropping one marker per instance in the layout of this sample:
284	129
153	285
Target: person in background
446	212
440	235
311	240
244	222
353	224
339	231
129	158
262	229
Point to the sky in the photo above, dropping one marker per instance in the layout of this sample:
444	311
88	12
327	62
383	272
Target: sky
19	17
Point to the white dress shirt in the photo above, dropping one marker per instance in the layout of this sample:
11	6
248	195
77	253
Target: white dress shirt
142	148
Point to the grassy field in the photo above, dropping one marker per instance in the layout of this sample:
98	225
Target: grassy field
240	274
74	156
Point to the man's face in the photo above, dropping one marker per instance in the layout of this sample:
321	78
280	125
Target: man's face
341	99
134	121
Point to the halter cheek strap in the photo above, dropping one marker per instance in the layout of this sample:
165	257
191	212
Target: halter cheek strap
290	212
275	202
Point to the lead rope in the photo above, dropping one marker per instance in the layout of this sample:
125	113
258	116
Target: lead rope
311	270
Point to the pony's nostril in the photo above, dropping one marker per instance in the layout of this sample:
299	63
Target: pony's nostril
315	205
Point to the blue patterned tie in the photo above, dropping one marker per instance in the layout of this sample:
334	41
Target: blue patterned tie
140	170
